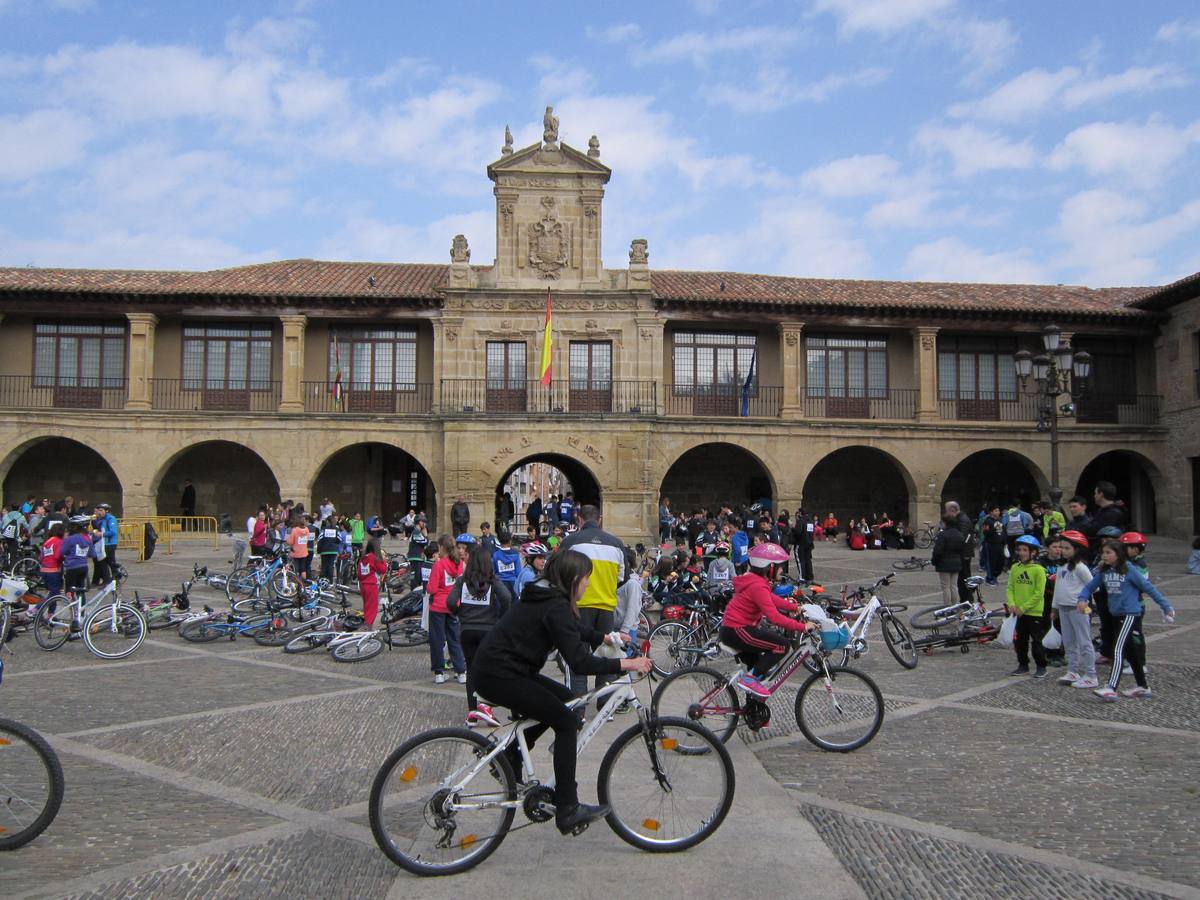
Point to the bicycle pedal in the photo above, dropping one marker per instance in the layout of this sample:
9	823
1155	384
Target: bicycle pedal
580	829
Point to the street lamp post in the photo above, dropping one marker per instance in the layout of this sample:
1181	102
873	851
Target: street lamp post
1060	370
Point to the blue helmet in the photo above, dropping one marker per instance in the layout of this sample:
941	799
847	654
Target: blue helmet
1030	540
464	539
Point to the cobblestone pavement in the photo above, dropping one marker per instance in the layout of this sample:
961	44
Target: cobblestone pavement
232	770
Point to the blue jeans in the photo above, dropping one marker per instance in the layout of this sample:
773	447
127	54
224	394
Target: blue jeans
443	629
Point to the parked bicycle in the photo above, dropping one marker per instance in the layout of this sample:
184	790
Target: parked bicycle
399	623
168	612
31	783
445	800
110	627
911	564
924	536
266	572
958	625
859	608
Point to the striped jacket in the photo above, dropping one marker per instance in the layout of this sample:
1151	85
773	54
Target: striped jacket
607	553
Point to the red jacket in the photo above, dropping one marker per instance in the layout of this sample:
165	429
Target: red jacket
441	579
754	601
370	567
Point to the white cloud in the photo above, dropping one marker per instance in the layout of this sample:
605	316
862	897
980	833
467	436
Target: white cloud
1112	240
984	43
41	142
700	48
885	16
912	208
853	176
1180	30
371	239
1038	90
774	89
1140	153
975	150
560	78
951	259
110	245
616	34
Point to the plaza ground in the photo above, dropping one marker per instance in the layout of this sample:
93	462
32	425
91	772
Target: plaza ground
231	770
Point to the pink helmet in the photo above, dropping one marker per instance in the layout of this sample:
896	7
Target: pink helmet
764	555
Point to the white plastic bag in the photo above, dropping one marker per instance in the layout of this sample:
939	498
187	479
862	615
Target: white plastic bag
1052	640
1007	631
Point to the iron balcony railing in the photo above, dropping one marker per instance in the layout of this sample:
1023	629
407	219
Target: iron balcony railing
728	400
563	398
204	395
403	400
29	392
893	403
998	407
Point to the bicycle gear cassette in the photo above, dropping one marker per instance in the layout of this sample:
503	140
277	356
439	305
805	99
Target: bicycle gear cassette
539	804
757	713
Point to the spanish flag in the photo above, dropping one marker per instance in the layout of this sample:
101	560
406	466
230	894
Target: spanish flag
546	344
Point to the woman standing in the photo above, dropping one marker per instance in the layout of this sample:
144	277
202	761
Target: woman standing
443	626
479	599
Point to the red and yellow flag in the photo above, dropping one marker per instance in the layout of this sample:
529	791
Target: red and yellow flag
546	344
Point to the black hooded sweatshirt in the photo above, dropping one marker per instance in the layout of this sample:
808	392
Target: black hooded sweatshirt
518	645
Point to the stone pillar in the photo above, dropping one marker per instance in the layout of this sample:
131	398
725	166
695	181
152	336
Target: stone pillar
791	355
292	396
925	366
141	359
648	361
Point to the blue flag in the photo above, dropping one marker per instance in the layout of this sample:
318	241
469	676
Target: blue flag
746	387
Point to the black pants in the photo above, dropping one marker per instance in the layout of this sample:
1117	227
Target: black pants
1030	629
804	558
12	551
761	647
1109	624
470	640
964	592
595	620
1132	650
328	563
544	700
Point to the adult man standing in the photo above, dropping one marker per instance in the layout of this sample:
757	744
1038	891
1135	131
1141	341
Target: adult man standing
460	516
802	543
533	514
188	501
566	510
1109	513
970	542
108	524
1079	519
599	601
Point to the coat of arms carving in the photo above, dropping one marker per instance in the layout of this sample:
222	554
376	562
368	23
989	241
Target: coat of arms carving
549	242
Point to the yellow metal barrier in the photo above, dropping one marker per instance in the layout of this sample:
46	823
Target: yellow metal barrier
190	528
131	536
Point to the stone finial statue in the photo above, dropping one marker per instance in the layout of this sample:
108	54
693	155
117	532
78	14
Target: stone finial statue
594	147
506	150
459	251
550	121
639	253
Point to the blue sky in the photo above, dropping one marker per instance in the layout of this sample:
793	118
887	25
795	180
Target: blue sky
906	139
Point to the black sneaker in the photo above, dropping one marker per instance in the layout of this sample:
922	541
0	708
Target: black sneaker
1019	670
1040	672
574	819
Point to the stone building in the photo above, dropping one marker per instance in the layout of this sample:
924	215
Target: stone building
389	385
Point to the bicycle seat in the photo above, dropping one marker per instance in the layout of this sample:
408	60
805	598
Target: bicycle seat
974	581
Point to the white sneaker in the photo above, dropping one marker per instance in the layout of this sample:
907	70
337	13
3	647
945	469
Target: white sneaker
1069	678
1107	694
1086	681
439	678
462	677
1138	693
1127	669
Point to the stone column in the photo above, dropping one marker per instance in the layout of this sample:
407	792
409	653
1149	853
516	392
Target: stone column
292	396
925	366
141	360
649	358
791	357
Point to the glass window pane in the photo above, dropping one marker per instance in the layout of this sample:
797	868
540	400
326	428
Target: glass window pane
947	375
816	373
987	376
725	373
516	364
685	369
877	382
602	365
966	376
406	365
239	368
384	367
260	365
837	373
360	355
215	365
856	373
193	364
44	360
68	361
705	366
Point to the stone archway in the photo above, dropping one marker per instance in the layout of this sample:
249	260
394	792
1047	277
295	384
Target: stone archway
992	477
375	478
715	474
58	467
853	482
1136	479
546	474
229	478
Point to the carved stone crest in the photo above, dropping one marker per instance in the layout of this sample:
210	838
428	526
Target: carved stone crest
506	324
451	335
591	325
928	342
647	334
548	242
459	251
791	338
639	253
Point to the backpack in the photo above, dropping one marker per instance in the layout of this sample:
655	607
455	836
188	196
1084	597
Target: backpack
1014	524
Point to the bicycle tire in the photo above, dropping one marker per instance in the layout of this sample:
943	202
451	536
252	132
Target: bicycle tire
5	618
127	623
408	631
18	769
923	540
357	650
909	565
251	606
310	640
828	712
636	796
302	614
51	633
27	568
925	620
275	634
200	631
663	639
383	810
285	583
690	687
898	639
242	584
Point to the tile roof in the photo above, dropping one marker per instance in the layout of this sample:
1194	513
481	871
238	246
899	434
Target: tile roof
1186	288
899	295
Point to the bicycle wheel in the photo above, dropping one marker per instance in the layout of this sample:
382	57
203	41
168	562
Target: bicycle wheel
275	633
114	632
200	631
310	640
839	710
27	568
307	613
699	695
928	620
665	796
664	641
898	640
5	618
923	539
31	784
357	650
285	583
255	605
907	565
408	631
242	584
159	616
52	624
411	795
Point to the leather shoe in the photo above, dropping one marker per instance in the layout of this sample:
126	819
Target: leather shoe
575	818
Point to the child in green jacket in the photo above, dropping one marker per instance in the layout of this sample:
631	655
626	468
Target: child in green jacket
1027	600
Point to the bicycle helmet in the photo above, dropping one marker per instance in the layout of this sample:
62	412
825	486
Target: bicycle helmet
768	554
722	547
1109	531
1134	538
1078	538
534	548
1030	540
464	539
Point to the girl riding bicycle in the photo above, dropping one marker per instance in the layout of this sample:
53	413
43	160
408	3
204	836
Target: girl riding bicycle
752	602
508	662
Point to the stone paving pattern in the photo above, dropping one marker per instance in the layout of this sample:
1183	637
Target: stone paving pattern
233	770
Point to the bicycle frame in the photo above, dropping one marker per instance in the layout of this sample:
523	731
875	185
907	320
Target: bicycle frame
80	605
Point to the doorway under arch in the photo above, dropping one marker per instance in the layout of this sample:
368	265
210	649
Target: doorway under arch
543	476
229	478
854	482
376	478
1134	477
714	475
991	477
56	467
